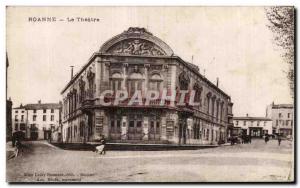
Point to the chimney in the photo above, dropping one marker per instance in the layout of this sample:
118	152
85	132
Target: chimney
39	101
217	81
72	71
247	115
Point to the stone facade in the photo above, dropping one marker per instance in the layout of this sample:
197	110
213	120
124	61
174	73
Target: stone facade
282	116
257	127
137	60
37	121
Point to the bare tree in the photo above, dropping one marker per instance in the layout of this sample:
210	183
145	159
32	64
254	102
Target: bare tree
282	25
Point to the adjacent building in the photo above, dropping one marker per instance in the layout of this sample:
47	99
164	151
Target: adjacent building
282	116
256	127
8	119
37	120
136	60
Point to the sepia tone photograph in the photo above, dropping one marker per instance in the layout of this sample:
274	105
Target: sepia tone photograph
150	94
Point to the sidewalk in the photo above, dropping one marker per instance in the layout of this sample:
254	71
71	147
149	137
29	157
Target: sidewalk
10	151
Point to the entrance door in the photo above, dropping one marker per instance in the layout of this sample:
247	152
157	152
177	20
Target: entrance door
154	130
256	132
135	130
182	133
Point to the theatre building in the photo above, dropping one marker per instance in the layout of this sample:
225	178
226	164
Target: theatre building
136	60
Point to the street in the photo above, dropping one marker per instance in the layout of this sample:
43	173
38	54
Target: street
258	161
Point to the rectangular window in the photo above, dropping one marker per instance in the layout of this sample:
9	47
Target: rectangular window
118	126
34	118
244	123
237	122
81	129
22	127
276	122
112	126
280	115
287	122
289	115
44	117
52	117
22	118
16	117
45	110
52	110
16	111
157	130
16	127
34	111
257	123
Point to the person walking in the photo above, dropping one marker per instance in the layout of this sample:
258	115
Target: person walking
103	142
266	138
279	140
101	148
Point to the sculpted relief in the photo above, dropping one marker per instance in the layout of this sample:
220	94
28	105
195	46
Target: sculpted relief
136	47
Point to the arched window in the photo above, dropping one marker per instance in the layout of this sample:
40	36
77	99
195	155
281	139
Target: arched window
135	82
208	96
213	105
155	82
116	81
81	90
91	82
198	92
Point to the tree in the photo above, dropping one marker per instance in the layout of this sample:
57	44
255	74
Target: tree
282	25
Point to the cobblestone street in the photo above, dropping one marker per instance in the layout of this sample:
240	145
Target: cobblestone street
250	162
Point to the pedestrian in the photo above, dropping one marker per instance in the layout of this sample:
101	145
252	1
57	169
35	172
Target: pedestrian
101	148
266	138
250	138
279	140
17	148
103	142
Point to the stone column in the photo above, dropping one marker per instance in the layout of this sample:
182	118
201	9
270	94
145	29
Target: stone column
190	123
123	85
145	128
146	67
97	76
124	128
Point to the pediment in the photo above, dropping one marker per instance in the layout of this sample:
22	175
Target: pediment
136	47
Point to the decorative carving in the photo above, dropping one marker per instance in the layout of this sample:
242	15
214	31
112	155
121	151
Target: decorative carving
137	47
135	69
137	30
81	84
184	80
90	75
156	67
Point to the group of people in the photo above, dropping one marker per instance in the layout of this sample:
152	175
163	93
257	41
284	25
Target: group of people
267	138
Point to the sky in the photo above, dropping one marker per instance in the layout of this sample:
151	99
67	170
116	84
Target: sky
231	43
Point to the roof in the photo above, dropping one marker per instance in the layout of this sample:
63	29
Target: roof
112	46
39	106
252	118
42	106
282	106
